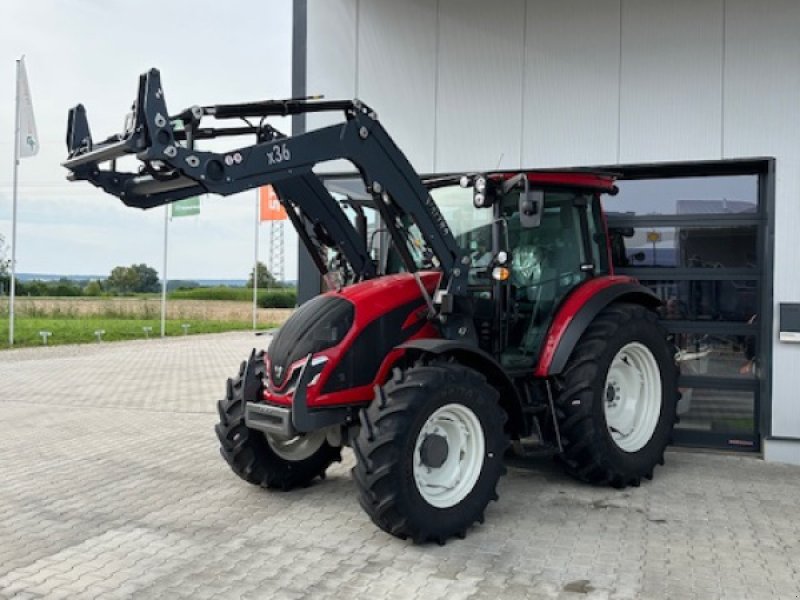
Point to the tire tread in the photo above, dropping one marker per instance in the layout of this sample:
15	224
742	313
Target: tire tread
586	455
249	455
377	461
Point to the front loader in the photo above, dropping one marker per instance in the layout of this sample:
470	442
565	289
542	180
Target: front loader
486	318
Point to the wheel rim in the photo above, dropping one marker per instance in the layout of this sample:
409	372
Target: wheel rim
297	448
448	455
632	397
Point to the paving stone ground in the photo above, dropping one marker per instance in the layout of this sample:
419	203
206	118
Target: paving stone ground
112	487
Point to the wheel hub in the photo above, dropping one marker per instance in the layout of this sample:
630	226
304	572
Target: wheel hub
632	397
297	448
434	450
611	395
448	455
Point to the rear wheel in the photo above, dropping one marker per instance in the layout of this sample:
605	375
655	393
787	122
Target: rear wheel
264	460
616	398
429	452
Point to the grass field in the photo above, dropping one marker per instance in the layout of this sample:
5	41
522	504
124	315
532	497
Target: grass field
81	330
74	320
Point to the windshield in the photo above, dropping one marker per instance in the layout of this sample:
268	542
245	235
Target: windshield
472	227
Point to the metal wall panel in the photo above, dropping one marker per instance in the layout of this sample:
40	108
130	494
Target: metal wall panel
671	80
762	78
479	98
762	117
571	101
694	79
331	60
397	72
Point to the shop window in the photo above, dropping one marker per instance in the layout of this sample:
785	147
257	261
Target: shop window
727	415
715	355
687	246
697	243
722	195
707	300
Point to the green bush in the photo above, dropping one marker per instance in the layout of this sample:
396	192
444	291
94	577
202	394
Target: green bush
181	284
278	299
62	287
93	288
219	292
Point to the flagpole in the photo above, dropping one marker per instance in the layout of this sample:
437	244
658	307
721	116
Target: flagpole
13	287
255	267
164	274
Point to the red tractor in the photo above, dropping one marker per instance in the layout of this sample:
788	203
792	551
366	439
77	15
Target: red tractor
488	316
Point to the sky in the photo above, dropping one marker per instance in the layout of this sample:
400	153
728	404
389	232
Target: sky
92	52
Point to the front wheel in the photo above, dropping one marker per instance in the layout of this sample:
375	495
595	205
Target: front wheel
616	399
429	452
262	459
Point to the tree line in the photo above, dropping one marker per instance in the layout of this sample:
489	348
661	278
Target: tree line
134	279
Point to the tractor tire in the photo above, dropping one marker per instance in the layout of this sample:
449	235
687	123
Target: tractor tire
262	460
616	399
429	452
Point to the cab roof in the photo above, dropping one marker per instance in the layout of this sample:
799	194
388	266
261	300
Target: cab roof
589	180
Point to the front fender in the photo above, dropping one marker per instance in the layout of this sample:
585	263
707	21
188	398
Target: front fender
580	309
475	358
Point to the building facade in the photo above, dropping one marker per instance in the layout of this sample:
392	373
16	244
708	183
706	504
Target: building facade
695	103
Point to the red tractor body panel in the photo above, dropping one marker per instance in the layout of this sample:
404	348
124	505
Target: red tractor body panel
373	299
580	296
572	306
597	182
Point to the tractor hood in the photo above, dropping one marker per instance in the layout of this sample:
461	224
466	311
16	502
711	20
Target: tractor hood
318	324
354	329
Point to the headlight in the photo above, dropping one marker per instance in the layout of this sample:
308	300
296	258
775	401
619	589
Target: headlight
316	362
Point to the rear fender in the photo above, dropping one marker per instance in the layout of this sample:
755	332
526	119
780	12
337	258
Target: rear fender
474	358
580	309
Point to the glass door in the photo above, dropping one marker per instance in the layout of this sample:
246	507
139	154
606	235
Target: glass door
696	241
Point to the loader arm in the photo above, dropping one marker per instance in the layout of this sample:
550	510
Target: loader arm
173	169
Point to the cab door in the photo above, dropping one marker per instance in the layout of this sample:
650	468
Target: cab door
548	261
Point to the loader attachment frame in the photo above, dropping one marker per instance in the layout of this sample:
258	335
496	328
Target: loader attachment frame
173	169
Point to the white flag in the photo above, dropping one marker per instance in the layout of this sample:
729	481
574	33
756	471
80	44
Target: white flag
28	138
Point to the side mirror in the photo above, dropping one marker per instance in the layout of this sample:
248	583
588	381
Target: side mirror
531	207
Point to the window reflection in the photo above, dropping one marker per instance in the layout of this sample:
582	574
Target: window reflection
707	300
685	246
713	355
718	411
736	194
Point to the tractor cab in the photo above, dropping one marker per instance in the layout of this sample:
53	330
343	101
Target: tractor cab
532	238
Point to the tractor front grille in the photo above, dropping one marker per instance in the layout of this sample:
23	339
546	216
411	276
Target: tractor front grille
320	323
288	385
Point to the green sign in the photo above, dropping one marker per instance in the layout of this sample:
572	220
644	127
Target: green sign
188	207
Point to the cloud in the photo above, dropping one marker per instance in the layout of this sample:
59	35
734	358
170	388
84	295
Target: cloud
82	52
